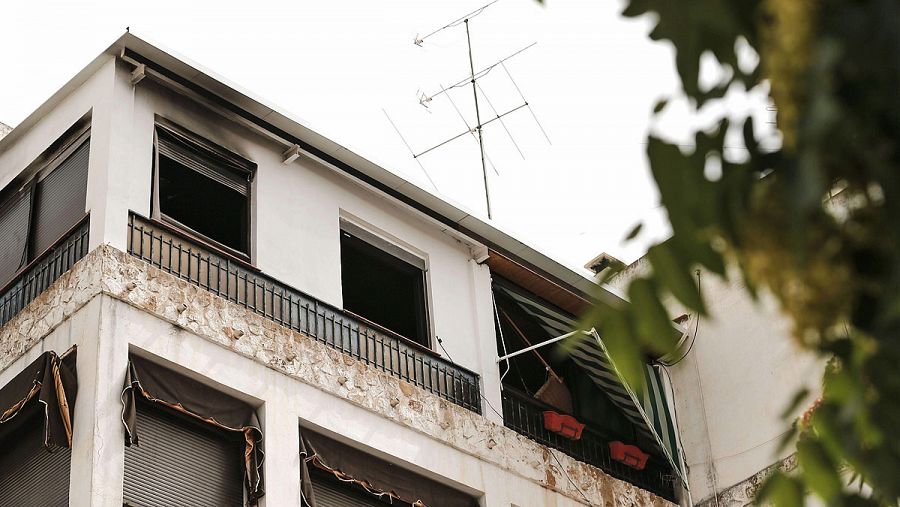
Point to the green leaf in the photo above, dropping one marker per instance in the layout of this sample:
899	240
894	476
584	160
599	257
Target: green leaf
622	345
795	402
781	491
634	231
675	275
660	105
819	471
654	328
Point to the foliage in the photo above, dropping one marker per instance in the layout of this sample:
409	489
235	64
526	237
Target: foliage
815	221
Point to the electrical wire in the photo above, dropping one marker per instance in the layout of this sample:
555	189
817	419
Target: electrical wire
675	415
561	467
696	328
483	397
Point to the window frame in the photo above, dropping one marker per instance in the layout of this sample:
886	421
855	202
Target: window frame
233	162
392	252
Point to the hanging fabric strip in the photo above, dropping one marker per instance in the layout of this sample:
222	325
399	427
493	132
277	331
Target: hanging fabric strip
48	385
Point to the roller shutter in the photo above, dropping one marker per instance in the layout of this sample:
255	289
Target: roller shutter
31	475
331	493
14	236
180	463
60	199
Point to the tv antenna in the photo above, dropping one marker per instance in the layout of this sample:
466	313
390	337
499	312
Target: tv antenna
472	79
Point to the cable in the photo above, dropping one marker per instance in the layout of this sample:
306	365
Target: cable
502	339
696	328
675	415
483	397
561	467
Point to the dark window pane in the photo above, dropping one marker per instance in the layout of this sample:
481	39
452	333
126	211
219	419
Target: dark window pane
202	204
383	289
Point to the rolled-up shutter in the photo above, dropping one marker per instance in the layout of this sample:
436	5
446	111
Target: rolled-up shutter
200	159
181	463
60	199
14	236
29	474
331	493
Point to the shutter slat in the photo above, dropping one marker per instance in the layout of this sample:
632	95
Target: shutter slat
174	149
60	199
29	474
179	464
330	493
13	237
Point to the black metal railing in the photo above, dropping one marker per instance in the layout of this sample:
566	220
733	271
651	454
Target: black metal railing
40	273
524	414
172	251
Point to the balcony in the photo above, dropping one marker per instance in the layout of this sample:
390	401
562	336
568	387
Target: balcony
39	274
524	414
201	264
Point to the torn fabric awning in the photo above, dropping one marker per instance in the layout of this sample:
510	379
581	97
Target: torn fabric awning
648	410
164	387
374	475
49	381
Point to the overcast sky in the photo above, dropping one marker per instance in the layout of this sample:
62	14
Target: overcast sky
591	79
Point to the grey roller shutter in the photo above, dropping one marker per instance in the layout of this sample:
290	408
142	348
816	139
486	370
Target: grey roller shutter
176	148
30	475
14	236
181	464
60	199
330	493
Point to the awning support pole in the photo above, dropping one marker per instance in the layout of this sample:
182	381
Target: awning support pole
548	342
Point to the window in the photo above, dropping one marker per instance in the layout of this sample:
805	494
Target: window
204	188
187	444
383	284
44	208
36	432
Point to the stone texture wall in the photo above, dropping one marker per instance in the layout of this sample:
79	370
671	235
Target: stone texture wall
743	493
112	272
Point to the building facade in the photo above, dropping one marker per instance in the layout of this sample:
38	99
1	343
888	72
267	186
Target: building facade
205	302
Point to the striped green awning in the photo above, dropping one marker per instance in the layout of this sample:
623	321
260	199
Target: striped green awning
648	410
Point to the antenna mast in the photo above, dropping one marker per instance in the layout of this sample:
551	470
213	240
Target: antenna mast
487	193
476	131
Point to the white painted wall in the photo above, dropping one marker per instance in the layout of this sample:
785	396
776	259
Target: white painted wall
734	385
296	213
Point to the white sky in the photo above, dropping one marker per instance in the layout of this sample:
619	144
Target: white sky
592	80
